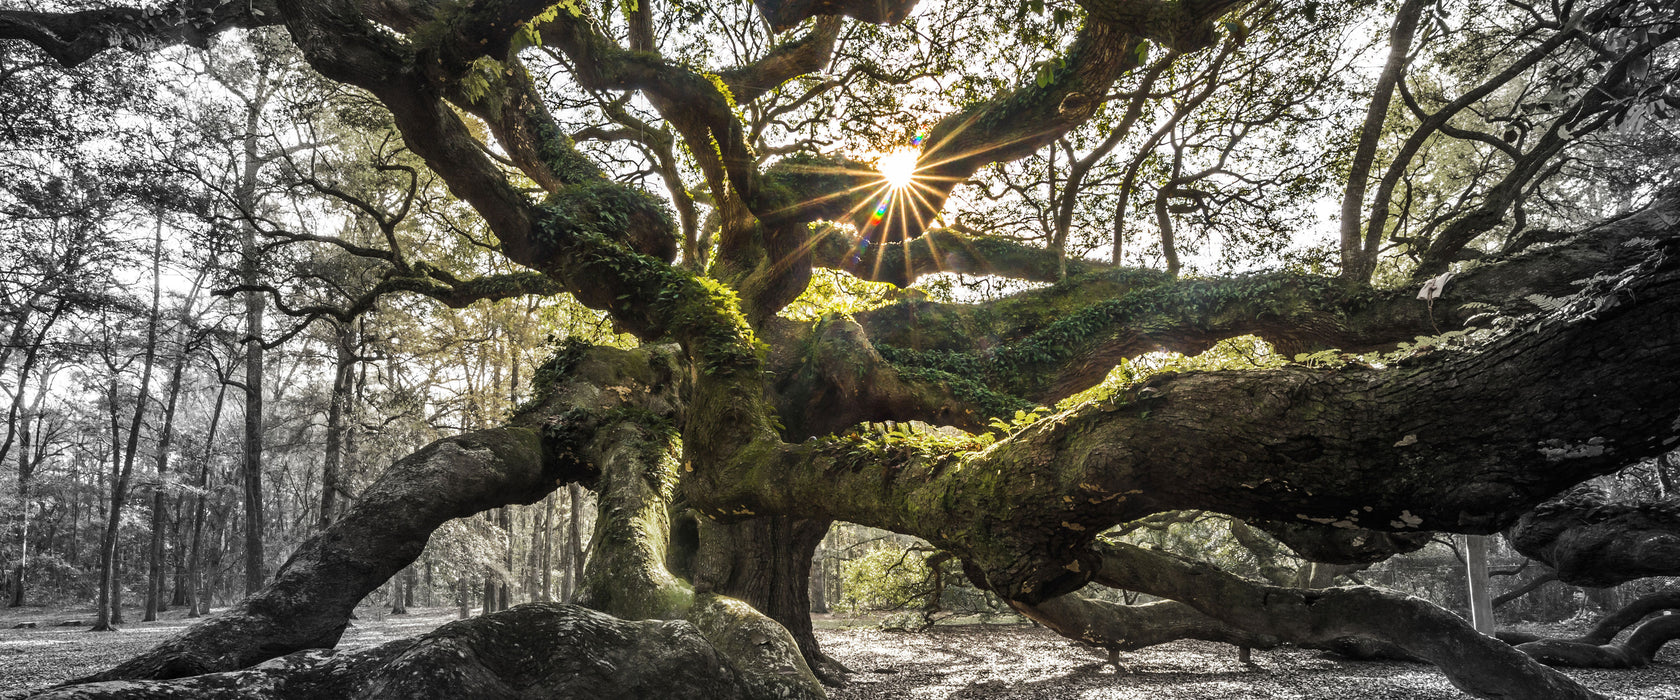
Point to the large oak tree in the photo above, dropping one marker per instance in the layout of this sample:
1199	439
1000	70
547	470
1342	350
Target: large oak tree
726	444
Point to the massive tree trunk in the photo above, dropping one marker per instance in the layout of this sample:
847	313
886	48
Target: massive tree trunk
766	563
1464	440
626	447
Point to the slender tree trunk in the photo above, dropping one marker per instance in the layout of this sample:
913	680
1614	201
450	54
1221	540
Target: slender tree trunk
16	423
116	587
343	374
819	584
1358	259
21	571
574	541
178	541
75	553
196	604
160	510
546	542
1476	570
110	584
30	457
255	305
504	594
399	601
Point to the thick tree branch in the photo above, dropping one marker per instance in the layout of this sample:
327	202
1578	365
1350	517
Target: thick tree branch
1049	343
566	435
1637	650
73	37
787	14
830	378
1118	628
807	54
1460	442
1593	541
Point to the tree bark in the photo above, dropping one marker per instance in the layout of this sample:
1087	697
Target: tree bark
160	505
574	543
250	264
766	563
1476	578
196	603
16	425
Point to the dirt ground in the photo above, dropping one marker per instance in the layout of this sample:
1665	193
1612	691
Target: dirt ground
973	662
1027	663
48	654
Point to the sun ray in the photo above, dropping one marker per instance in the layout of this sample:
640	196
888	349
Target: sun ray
898	167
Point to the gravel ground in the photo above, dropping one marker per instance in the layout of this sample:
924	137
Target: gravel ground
991	662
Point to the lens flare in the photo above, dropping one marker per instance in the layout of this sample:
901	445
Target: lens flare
880	210
898	168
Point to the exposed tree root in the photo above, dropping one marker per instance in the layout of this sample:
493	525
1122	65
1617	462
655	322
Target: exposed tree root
1476	664
1596	648
1637	650
544	650
1117	628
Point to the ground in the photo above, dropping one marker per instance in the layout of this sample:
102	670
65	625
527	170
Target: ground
994	662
